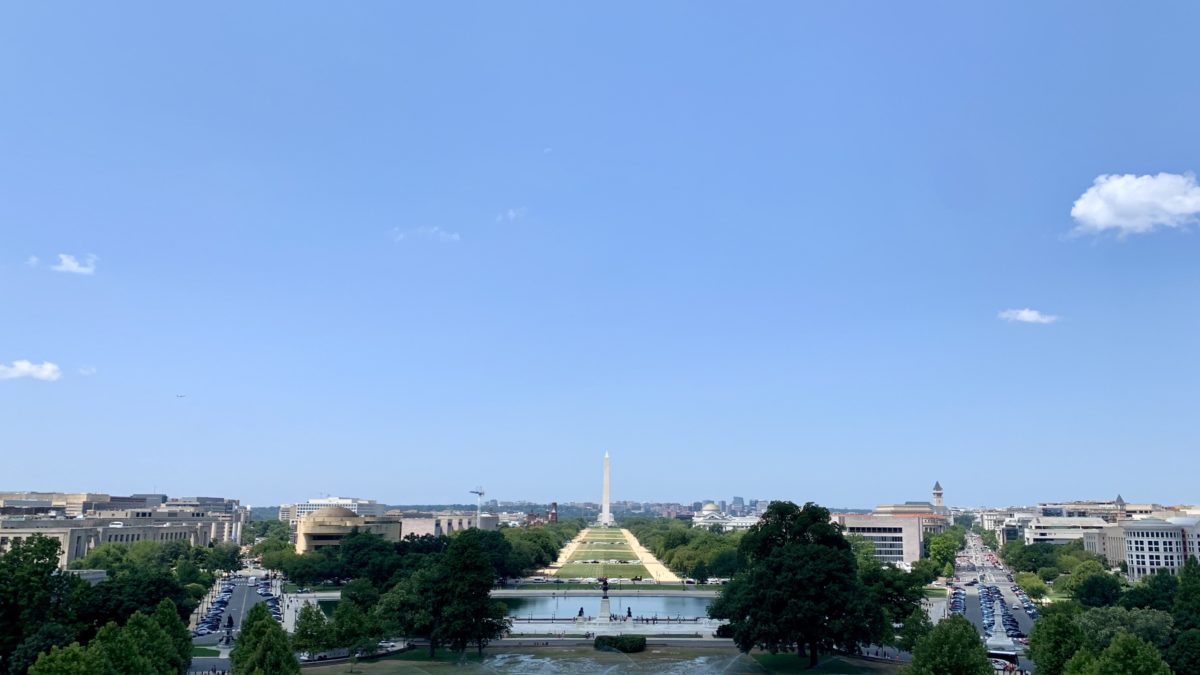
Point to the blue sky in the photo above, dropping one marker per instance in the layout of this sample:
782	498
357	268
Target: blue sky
395	252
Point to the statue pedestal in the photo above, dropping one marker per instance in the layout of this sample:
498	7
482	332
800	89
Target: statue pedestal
605	610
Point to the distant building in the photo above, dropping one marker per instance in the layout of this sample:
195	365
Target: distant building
1107	542
102	519
710	515
1154	544
78	537
898	539
1108	511
1053	530
444	523
899	531
328	526
291	513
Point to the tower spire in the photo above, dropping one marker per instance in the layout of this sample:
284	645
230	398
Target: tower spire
606	518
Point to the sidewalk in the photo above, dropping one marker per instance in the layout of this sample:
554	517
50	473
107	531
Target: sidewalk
565	554
656	569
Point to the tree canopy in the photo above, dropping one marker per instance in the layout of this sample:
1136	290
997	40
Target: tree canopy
951	648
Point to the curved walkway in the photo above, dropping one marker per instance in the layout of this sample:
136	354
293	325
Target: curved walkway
657	570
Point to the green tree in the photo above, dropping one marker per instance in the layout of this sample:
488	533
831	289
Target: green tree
1187	598
140	647
32	592
469	615
1101	624
926	570
262	647
916	627
1032	584
864	550
799	588
312	630
1184	654
353	629
700	572
72	660
989	540
166	615
362	593
413	608
1053	640
254	626
948	570
46	636
1098	590
1156	591
893	594
1126	655
951	648
1048	573
1069	582
225	557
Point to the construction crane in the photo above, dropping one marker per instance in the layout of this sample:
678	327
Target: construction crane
478	492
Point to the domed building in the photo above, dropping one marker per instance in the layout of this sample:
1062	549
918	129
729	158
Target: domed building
710	515
328	525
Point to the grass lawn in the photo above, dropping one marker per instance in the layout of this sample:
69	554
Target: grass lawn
586	571
204	651
935	592
648	589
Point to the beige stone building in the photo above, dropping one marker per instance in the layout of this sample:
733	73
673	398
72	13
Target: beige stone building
445	523
77	538
327	527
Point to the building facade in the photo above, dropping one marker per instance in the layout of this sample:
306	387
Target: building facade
444	523
1153	544
1051	530
898	539
77	538
327	527
291	513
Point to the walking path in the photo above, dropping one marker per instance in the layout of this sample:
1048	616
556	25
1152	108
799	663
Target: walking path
567	551
656	569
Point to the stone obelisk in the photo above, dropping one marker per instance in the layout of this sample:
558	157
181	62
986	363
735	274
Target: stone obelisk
606	518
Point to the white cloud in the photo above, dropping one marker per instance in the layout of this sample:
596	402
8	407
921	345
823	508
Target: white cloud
32	261
1027	316
68	263
87	370
433	233
45	371
1129	204
510	215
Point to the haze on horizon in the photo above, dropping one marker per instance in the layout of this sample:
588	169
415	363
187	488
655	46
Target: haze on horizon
823	253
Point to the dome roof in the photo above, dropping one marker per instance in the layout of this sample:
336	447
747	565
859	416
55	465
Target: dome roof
710	508
333	512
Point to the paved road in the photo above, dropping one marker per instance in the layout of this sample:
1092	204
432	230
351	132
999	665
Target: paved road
244	597
992	576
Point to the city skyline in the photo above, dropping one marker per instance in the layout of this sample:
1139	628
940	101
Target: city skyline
402	253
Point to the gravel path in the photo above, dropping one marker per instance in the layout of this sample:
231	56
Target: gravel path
657	570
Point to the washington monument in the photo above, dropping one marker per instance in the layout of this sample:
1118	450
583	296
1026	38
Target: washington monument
606	518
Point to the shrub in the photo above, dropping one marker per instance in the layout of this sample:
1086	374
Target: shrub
725	630
628	644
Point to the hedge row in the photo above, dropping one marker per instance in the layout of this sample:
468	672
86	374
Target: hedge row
629	644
